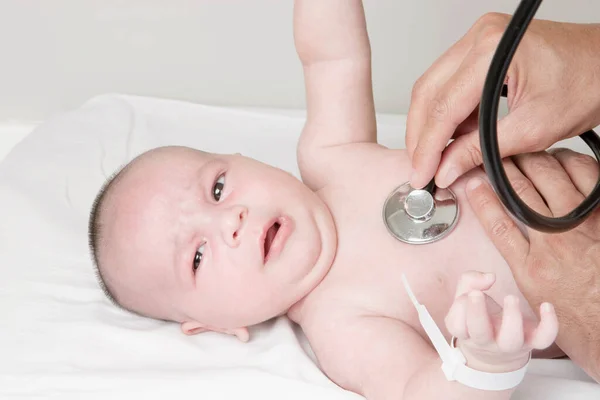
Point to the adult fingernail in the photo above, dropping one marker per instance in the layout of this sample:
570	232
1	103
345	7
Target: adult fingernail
448	177
474	184
414	177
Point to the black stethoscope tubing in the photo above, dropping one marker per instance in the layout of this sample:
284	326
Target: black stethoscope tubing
488	116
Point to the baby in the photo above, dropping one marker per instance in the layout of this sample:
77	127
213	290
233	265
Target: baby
220	242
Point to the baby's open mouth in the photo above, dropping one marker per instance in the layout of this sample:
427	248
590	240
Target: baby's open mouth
276	233
271	233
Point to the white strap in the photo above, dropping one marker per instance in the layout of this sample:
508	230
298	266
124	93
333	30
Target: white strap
453	360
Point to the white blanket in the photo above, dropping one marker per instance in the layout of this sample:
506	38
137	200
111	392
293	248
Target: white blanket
60	337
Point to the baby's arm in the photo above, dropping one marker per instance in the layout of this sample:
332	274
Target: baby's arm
382	358
332	43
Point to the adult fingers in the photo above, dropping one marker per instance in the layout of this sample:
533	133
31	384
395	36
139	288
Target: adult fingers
551	181
582	169
468	125
499	226
524	188
518	132
429	83
452	105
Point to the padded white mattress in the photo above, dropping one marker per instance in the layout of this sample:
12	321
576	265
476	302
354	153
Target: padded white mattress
60	338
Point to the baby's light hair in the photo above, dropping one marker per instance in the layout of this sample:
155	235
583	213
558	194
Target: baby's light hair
95	232
95	236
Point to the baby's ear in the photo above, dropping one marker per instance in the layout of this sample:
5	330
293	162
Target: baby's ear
193	327
240	333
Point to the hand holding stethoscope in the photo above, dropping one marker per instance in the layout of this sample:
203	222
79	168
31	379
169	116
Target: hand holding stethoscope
553	94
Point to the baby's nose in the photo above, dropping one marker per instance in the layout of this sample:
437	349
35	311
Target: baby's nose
233	222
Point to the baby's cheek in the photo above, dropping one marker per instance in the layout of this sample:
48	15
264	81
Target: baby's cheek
242	291
260	300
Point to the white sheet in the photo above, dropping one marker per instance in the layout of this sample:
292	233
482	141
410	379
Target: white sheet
61	338
12	133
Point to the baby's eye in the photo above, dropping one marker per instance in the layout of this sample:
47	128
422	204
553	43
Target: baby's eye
198	257
218	187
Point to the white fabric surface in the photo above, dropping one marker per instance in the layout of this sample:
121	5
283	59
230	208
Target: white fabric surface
60	338
12	133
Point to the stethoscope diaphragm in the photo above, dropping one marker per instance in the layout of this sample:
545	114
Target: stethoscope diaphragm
416	216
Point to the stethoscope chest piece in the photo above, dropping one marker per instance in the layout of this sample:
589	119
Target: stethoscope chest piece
416	216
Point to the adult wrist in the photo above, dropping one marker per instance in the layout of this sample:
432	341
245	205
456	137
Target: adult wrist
593	39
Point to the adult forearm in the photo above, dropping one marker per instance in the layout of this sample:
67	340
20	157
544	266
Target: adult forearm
593	42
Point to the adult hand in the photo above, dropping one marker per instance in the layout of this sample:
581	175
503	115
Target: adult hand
562	268
553	93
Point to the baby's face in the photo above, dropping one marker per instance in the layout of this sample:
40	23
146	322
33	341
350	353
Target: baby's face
220	239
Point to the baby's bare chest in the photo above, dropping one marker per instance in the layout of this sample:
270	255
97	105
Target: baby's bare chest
367	273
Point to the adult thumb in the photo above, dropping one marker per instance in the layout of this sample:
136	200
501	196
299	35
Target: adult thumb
518	133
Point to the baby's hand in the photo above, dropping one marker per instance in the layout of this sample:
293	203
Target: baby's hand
495	338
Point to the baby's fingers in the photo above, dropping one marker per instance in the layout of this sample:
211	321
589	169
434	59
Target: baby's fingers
479	325
510	335
456	320
474	280
545	334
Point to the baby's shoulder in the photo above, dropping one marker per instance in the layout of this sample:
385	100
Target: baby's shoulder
365	154
322	166
361	160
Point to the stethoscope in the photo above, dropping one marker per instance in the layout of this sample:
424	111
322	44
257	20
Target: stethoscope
420	216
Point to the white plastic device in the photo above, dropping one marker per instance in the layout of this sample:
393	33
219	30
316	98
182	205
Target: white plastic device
453	360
